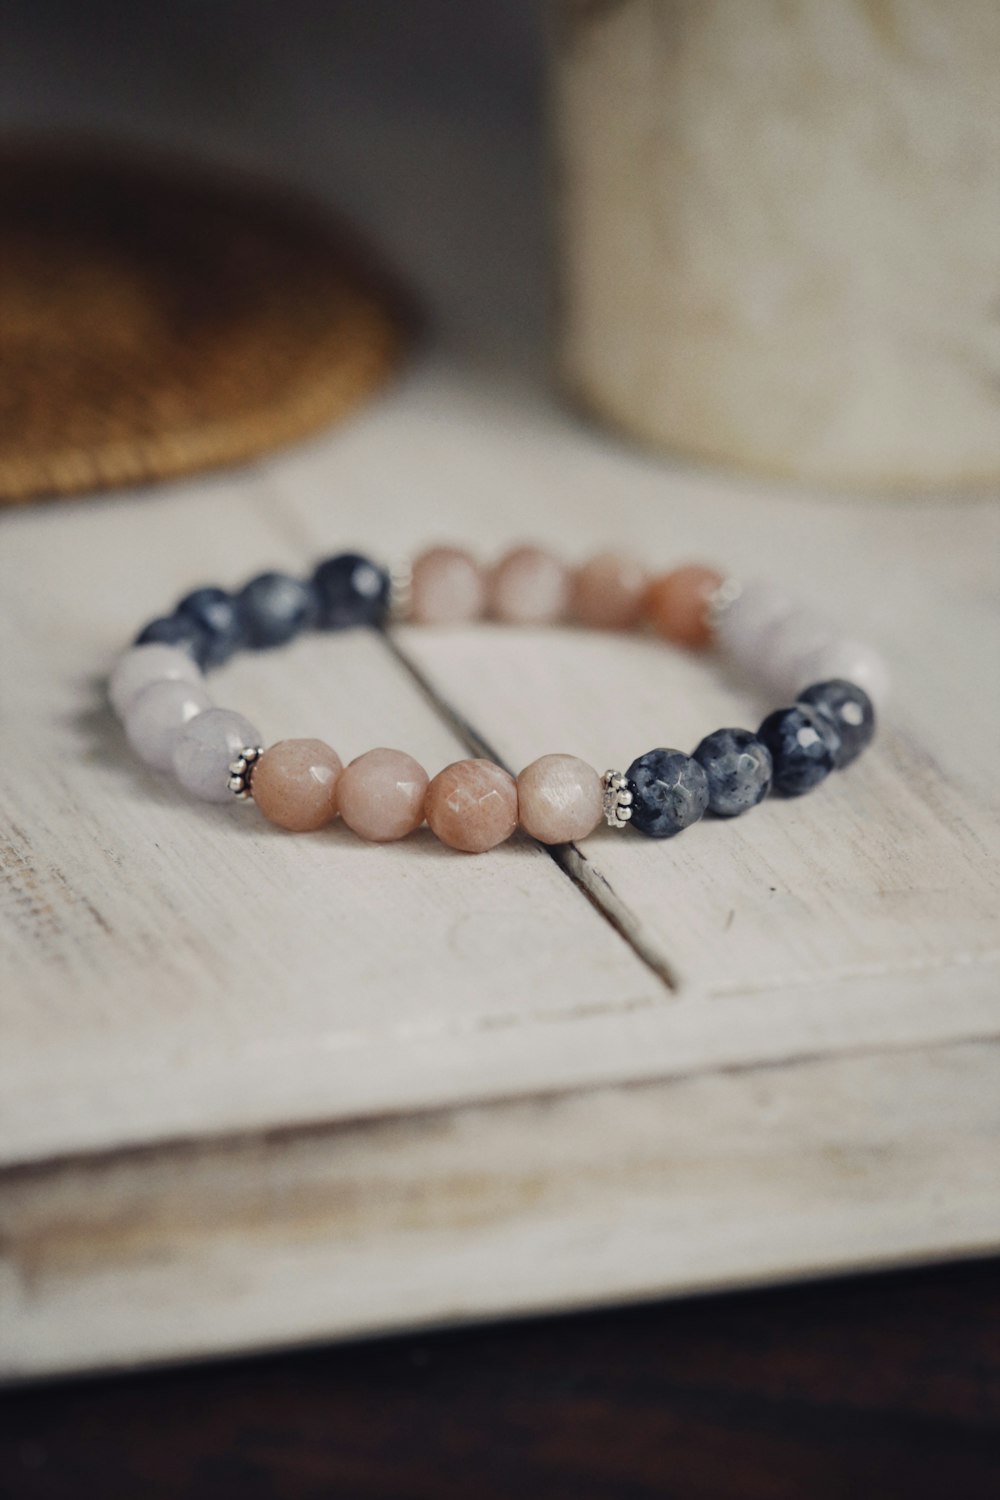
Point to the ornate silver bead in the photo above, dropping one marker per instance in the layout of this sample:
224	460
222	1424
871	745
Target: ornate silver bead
617	799
241	772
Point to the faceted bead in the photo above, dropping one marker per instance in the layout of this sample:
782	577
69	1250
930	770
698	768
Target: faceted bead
217	614
785	648
204	749
529	587
274	608
295	784
559	799
848	661
381	795
175	630
739	770
804	746
609	591
740	629
850	710
155	717
136	668
677	604
472	805
351	591
669	792
447	588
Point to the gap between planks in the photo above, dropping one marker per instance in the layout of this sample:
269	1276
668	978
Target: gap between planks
569	859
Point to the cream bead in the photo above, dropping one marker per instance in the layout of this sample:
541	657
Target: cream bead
141	666
740	628
381	795
156	715
559	799
529	587
447	587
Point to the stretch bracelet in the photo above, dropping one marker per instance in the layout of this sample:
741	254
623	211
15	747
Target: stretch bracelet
158	690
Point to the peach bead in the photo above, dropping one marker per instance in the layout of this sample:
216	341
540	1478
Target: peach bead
677	604
295	784
609	590
559	798
472	805
448	586
529	587
381	795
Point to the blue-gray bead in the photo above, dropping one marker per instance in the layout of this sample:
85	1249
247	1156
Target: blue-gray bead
804	746
739	770
351	590
216	612
175	630
274	607
669	792
850	711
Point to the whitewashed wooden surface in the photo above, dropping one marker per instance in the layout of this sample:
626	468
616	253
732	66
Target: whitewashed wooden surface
809	998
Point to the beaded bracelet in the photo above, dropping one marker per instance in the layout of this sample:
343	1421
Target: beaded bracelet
158	689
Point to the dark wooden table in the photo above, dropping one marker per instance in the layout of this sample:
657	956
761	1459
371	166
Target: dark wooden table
879	1387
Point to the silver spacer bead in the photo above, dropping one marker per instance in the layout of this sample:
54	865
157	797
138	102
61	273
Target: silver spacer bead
241	772
617	799
400	590
722	599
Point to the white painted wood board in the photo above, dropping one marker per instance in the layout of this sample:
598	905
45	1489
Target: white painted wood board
189	999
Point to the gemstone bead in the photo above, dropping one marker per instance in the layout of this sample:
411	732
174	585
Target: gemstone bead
529	587
608	592
669	792
155	716
850	710
739	770
204	749
179	631
351	590
742	626
381	795
559	799
216	613
677	604
274	608
136	668
448	587
804	746
848	661
295	784
472	805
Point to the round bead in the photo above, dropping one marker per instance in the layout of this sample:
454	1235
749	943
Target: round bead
216	614
472	805
157	714
850	710
274	608
785	647
609	592
529	587
381	795
204	749
740	628
669	792
295	784
739	771
559	799
677	604
351	591
175	630
136	668
804	746
848	661
447	587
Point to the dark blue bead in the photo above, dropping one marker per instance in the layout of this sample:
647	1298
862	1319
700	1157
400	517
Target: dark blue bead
275	607
217	613
175	630
739	771
351	590
669	792
850	711
804	746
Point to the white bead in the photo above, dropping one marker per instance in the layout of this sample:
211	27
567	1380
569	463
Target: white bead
155	717
204	748
136	668
740	628
786	647
852	661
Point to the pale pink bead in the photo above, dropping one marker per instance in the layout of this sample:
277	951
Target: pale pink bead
448	586
472	805
529	587
295	784
381	795
559	798
609	591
